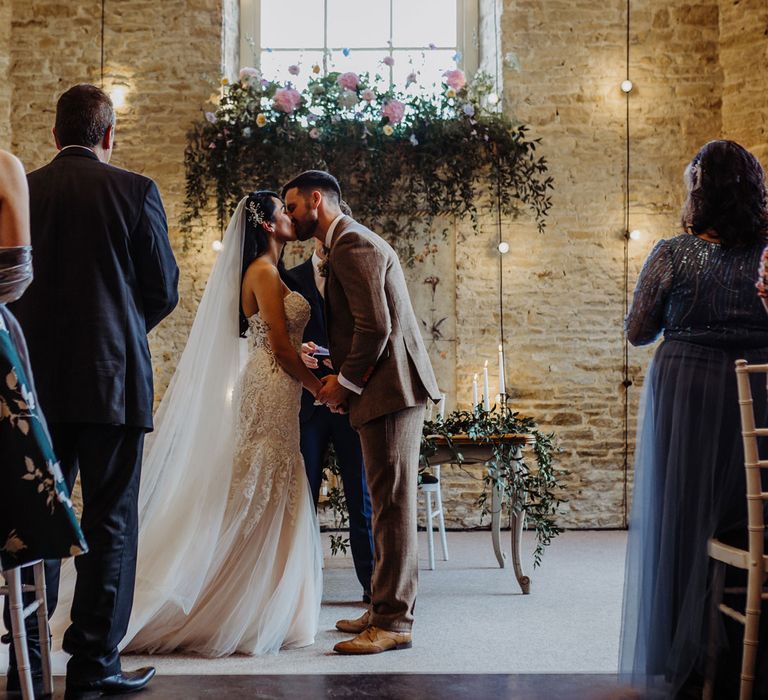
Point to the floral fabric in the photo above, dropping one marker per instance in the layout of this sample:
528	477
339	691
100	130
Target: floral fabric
37	520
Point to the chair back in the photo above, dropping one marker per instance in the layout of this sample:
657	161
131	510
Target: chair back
756	497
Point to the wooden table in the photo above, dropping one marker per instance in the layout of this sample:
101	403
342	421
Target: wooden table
477	452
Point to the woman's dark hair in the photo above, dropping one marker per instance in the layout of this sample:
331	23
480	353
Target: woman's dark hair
726	195
259	208
83	115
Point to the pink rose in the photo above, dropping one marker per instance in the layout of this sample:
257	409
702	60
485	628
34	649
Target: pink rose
394	111
286	100
368	95
314	133
455	78
348	81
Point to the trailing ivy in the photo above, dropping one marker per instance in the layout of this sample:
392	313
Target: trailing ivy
536	492
403	157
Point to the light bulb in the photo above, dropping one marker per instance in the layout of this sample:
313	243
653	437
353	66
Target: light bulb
217	245
493	99
503	247
626	85
118	96
635	235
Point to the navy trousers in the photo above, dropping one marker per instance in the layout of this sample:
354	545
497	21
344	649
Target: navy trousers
321	429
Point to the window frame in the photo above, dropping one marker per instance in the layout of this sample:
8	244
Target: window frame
467	35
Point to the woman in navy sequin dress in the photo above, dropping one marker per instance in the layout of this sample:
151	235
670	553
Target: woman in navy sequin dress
698	290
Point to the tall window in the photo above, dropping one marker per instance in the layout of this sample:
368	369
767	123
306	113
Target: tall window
425	37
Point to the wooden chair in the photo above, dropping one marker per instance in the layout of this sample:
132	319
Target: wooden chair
428	490
14	589
753	560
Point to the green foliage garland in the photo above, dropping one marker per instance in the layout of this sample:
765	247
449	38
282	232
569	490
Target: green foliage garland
536	492
403	157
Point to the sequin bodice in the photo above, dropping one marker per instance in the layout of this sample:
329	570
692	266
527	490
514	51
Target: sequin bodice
697	291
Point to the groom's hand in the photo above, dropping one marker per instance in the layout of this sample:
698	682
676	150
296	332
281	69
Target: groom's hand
332	393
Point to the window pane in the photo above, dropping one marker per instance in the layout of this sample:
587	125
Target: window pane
354	23
274	66
360	62
286	23
428	65
424	22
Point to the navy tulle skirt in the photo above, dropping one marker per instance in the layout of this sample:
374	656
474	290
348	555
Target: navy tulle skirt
689	485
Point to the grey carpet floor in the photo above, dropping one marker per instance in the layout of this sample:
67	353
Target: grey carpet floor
470	616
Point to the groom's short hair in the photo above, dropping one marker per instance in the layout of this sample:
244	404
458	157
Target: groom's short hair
83	115
314	180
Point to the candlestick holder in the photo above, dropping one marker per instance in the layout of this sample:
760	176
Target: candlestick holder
503	399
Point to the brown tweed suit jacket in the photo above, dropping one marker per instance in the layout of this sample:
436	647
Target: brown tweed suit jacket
372	330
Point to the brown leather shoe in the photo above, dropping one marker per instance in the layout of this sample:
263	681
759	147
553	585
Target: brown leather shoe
374	640
354	626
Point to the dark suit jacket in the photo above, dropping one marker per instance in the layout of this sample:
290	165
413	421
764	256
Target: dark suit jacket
104	276
301	279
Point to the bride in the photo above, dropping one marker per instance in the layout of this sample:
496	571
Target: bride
229	554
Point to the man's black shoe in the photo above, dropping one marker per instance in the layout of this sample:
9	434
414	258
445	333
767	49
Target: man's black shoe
366	598
427	478
13	683
120	683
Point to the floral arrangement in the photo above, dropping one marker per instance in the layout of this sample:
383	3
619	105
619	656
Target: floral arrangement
537	492
402	155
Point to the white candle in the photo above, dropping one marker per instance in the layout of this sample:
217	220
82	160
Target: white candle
502	383
486	391
441	406
475	400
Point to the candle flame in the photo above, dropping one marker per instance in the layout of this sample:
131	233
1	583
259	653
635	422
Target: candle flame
475	377
486	363
500	348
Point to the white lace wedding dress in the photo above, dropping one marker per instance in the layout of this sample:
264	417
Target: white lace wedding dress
229	557
265	591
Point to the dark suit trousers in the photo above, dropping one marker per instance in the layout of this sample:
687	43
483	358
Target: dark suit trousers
391	449
324	427
108	458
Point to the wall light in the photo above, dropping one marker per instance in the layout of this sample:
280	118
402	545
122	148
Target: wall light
503	247
217	245
626	85
635	234
117	94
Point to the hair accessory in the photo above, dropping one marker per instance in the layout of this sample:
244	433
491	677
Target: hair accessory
255	215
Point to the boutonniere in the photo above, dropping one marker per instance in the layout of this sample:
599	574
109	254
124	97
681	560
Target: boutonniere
322	268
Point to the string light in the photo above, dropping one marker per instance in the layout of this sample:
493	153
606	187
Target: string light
217	245
627	85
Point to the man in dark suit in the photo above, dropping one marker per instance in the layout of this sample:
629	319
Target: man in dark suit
104	276
321	427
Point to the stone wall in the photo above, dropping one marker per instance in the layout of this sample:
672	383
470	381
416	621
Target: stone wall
5	84
744	59
563	290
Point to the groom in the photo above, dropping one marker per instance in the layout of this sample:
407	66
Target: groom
385	378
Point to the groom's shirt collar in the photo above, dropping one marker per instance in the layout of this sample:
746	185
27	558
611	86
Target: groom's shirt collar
331	230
